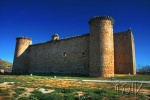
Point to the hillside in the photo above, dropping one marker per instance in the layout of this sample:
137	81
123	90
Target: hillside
5	65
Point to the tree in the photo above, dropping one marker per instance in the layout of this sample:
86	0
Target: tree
145	69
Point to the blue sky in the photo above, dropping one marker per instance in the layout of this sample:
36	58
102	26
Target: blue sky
39	19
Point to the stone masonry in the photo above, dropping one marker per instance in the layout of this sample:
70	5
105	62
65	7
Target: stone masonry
101	47
99	53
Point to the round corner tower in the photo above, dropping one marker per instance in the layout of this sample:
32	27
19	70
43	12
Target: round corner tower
22	44
101	47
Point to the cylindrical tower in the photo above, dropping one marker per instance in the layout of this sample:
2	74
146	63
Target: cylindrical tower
101	47
20	56
22	44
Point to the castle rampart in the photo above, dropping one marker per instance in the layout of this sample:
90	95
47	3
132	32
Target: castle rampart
99	53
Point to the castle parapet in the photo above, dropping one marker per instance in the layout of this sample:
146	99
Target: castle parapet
101	18
22	44
23	38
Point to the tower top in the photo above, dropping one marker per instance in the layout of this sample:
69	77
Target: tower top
101	18
55	36
23	38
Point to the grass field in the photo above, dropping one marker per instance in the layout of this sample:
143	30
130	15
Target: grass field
45	87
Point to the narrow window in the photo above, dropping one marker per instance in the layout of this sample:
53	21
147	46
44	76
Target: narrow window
83	53
64	54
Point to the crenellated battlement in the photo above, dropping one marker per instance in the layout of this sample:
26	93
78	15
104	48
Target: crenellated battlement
101	18
23	37
76	36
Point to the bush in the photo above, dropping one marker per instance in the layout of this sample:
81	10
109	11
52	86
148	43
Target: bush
52	96
64	90
67	90
91	96
4	92
18	91
33	98
70	96
84	97
100	92
30	98
37	94
49	96
94	96
23	98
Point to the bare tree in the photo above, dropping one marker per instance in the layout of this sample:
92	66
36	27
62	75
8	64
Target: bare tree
145	69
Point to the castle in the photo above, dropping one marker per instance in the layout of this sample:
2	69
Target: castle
99	53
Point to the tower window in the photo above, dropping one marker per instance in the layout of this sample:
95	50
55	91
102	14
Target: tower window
83	53
64	54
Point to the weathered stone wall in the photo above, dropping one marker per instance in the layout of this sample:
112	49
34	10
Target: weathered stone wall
124	53
60	56
98	54
21	55
133	55
101	47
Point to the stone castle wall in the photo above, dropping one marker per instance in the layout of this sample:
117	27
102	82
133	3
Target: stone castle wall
98	54
60	56
124	51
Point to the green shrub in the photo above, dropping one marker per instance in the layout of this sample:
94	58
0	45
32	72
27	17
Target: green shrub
23	98
15	95
100	92
91	96
85	97
113	97
52	96
19	90
8	98
33	98
37	94
49	96
4	92
70	96
67	90
94	96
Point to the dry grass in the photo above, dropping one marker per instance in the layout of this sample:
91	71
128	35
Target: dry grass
64	88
